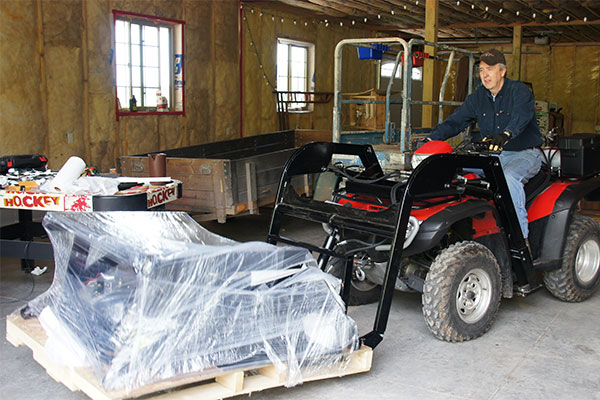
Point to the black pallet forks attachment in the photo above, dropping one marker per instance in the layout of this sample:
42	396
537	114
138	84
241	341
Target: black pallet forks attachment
434	177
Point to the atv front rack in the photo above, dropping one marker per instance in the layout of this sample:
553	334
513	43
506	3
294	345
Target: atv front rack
434	177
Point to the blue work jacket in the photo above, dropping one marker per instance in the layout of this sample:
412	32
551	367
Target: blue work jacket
513	110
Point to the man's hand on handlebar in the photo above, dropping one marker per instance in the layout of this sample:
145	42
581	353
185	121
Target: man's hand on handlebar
497	140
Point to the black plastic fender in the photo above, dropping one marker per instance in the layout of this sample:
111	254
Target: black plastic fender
557	224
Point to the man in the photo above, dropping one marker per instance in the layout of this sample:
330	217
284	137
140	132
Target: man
505	112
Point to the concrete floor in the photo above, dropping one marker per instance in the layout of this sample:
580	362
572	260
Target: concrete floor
538	348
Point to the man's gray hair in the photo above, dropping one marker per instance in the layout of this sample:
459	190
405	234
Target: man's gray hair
501	66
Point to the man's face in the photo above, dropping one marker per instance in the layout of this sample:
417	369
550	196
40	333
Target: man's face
492	77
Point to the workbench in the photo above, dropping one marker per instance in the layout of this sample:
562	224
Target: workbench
17	240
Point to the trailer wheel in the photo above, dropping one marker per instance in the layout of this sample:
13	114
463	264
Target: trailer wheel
579	275
462	292
362	290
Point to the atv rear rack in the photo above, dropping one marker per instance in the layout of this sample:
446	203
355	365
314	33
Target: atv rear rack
434	177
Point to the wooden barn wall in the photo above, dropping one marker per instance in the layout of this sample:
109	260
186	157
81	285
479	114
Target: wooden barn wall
260	111
56	79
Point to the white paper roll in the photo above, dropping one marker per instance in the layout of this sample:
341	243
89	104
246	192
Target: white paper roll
68	174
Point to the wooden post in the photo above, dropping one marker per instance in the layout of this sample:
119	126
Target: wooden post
515	68
43	83
429	75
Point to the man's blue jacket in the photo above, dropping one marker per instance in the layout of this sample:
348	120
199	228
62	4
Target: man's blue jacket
513	110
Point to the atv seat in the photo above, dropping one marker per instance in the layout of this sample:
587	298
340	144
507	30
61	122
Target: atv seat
537	185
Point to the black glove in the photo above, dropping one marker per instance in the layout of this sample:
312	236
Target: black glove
497	140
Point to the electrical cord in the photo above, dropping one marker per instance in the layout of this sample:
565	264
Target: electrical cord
25	257
24	298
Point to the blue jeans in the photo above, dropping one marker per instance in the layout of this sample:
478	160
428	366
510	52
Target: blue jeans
519	167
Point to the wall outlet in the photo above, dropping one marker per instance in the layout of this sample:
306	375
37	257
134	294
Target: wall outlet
70	137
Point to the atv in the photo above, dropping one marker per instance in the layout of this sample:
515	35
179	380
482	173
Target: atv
442	232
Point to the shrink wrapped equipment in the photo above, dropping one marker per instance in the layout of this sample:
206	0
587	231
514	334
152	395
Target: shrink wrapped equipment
152	296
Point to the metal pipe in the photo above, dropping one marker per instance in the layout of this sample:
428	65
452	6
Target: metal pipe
443	88
337	83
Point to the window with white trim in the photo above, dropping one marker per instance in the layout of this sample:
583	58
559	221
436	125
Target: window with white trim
148	63
295	72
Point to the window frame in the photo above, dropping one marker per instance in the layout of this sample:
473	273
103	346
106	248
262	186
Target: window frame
177	68
310	72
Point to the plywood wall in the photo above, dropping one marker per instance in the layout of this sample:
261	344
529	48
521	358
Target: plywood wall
263	27
56	79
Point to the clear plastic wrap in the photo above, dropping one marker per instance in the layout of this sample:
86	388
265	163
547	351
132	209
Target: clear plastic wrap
152	296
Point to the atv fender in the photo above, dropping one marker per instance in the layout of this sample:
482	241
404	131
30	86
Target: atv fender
558	217
475	220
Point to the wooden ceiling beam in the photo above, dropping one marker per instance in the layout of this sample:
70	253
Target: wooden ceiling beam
340	7
492	25
326	11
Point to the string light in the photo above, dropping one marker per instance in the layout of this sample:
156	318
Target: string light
365	20
500	11
326	24
584	19
550	16
417	2
282	20
341	23
261	14
518	12
260	65
568	18
458	2
378	16
353	22
472	6
486	8
392	12
305	23
273	18
252	10
405	6
534	14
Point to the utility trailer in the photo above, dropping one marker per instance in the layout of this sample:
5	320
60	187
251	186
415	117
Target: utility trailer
228	178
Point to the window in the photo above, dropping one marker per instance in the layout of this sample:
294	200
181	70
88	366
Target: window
295	69
387	67
148	64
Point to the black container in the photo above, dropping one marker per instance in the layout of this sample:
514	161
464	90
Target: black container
580	155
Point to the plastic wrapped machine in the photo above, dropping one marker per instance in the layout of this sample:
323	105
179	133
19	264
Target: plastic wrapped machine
152	296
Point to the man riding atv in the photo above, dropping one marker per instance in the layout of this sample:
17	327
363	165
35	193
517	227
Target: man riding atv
432	230
505	112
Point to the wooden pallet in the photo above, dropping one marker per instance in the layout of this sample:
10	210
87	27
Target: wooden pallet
210	385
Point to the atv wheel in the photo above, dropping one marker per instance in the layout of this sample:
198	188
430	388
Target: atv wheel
362	290
579	274
462	292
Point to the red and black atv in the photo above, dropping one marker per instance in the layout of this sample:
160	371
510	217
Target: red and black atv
455	240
